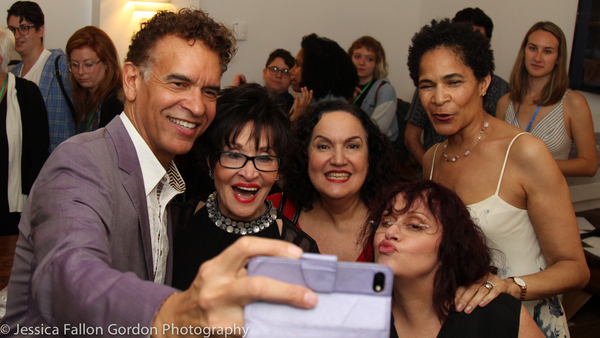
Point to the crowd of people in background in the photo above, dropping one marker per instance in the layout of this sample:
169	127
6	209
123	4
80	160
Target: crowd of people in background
150	179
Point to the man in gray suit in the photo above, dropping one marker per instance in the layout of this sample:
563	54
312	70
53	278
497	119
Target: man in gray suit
94	254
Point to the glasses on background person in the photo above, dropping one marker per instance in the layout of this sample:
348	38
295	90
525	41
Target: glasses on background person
23	30
88	67
275	70
233	160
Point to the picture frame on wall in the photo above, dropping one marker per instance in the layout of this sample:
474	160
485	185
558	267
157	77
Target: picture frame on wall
584	68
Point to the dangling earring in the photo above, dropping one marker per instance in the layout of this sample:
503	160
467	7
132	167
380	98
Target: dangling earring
210	174
277	178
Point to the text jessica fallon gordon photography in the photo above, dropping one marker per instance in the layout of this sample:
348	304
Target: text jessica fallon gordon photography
83	329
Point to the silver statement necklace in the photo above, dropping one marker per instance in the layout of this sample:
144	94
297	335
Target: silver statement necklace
239	227
485	125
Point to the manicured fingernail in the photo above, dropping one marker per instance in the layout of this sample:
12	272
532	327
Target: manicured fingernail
459	307
468	309
311	299
294	251
482	304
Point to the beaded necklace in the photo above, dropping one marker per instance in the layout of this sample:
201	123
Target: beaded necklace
239	227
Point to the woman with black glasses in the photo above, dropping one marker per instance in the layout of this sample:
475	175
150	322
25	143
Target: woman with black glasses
243	148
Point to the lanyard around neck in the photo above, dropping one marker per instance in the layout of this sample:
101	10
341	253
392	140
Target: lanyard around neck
362	91
4	86
533	118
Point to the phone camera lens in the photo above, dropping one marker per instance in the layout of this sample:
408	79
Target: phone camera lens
379	282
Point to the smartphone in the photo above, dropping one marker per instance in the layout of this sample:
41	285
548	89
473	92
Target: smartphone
355	299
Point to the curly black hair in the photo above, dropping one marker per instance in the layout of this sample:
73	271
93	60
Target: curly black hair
472	47
189	24
382	170
327	68
476	17
238	106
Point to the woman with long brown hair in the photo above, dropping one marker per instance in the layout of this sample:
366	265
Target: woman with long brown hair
96	78
540	101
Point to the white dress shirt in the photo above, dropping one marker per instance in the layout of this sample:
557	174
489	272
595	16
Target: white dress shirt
160	187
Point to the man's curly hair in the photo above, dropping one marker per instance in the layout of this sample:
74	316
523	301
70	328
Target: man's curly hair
382	170
189	24
472	47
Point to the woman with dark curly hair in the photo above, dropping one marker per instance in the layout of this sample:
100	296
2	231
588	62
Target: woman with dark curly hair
322	72
545	105
424	233
338	161
243	148
528	215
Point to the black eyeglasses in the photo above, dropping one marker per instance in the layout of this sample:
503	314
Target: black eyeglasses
23	30
233	160
275	70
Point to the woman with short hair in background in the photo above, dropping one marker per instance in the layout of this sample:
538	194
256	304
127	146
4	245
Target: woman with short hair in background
377	97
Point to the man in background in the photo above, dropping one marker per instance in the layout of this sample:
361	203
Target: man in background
26	20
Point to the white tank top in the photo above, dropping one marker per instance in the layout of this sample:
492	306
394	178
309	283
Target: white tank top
508	230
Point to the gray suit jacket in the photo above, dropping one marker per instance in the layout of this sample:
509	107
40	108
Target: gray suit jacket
84	252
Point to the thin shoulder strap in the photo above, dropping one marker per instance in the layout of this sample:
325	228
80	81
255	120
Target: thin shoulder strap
377	92
433	160
505	159
282	203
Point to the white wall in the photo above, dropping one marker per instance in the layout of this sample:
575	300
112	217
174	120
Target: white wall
118	19
283	23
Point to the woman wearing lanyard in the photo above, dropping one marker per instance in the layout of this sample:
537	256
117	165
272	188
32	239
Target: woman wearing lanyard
540	101
377	96
95	76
